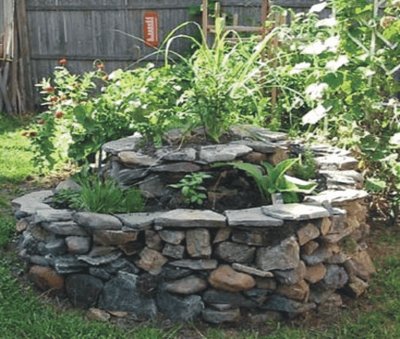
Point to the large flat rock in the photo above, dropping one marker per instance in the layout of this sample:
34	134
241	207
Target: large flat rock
139	221
251	217
125	144
337	197
190	219
97	221
228	152
295	212
31	202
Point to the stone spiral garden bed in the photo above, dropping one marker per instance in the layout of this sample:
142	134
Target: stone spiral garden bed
218	263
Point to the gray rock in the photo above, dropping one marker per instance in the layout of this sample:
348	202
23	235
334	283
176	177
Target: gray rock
174	251
56	247
121	265
152	187
307	233
127	176
68	184
252	217
172	237
282	304
345	178
335	277
29	203
223	234
264	147
229	152
98	251
252	271
258	295
179	308
212	296
113	237
190	219
295	212
196	265
151	261
69	264
319	294
40	260
83	290
125	144
336	162
100	273
173	273
153	240
324	149
139	221
219	317
187	285
257	133
137	159
66	228
233	252
320	255
77	245
293	276
97	221
51	215
285	256
179	167
198	243
122	294
99	260
183	154
337	197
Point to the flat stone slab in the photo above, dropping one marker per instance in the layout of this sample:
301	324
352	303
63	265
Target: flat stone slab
125	144
196	265
97	221
64	228
99	260
179	167
31	202
257	133
323	149
265	147
228	152
337	162
337	197
51	215
170	154
349	177
138	159
295	212
251	217
252	271
190	218
139	221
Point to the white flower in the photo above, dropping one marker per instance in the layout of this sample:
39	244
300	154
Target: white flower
316	91
318	7
316	48
299	68
334	65
329	22
395	139
332	43
315	115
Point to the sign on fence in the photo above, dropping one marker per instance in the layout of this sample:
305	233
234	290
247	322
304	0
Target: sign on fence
151	29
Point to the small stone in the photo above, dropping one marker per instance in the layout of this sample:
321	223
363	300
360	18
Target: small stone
128	176
260	147
100	260
153	240
138	221
258	295
138	159
257	133
172	237
325	226
196	265
110	238
77	245
56	247
307	233
46	278
360	265
315	273
229	152
21	225
291	277
125	144
356	287
335	277
252	217
212	297
101	250
282	257
68	184
320	255
183	154
219	317
282	304
97	221
225	278
183	309
83	290
152	187
179	167
121	265
295	212
173	273
266	283
191	219
131	248
333	238
252	271
233	252
151	261
118	314
309	248
223	234
336	162
299	291
174	251
66	228
97	315
198	243
69	264
100	273
188	285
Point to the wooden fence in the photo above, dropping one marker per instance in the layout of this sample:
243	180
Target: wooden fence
83	31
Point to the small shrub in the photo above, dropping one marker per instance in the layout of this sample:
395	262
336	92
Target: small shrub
192	189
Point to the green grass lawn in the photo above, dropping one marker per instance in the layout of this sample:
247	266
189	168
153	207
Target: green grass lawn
26	314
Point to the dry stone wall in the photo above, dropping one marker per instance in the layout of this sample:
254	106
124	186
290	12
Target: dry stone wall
190	263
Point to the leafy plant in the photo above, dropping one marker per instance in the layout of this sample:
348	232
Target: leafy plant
100	196
306	167
192	189
272	179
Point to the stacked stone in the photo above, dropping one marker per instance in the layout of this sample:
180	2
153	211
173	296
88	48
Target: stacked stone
188	263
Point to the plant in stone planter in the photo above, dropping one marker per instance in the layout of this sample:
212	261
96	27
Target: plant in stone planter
272	179
192	189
